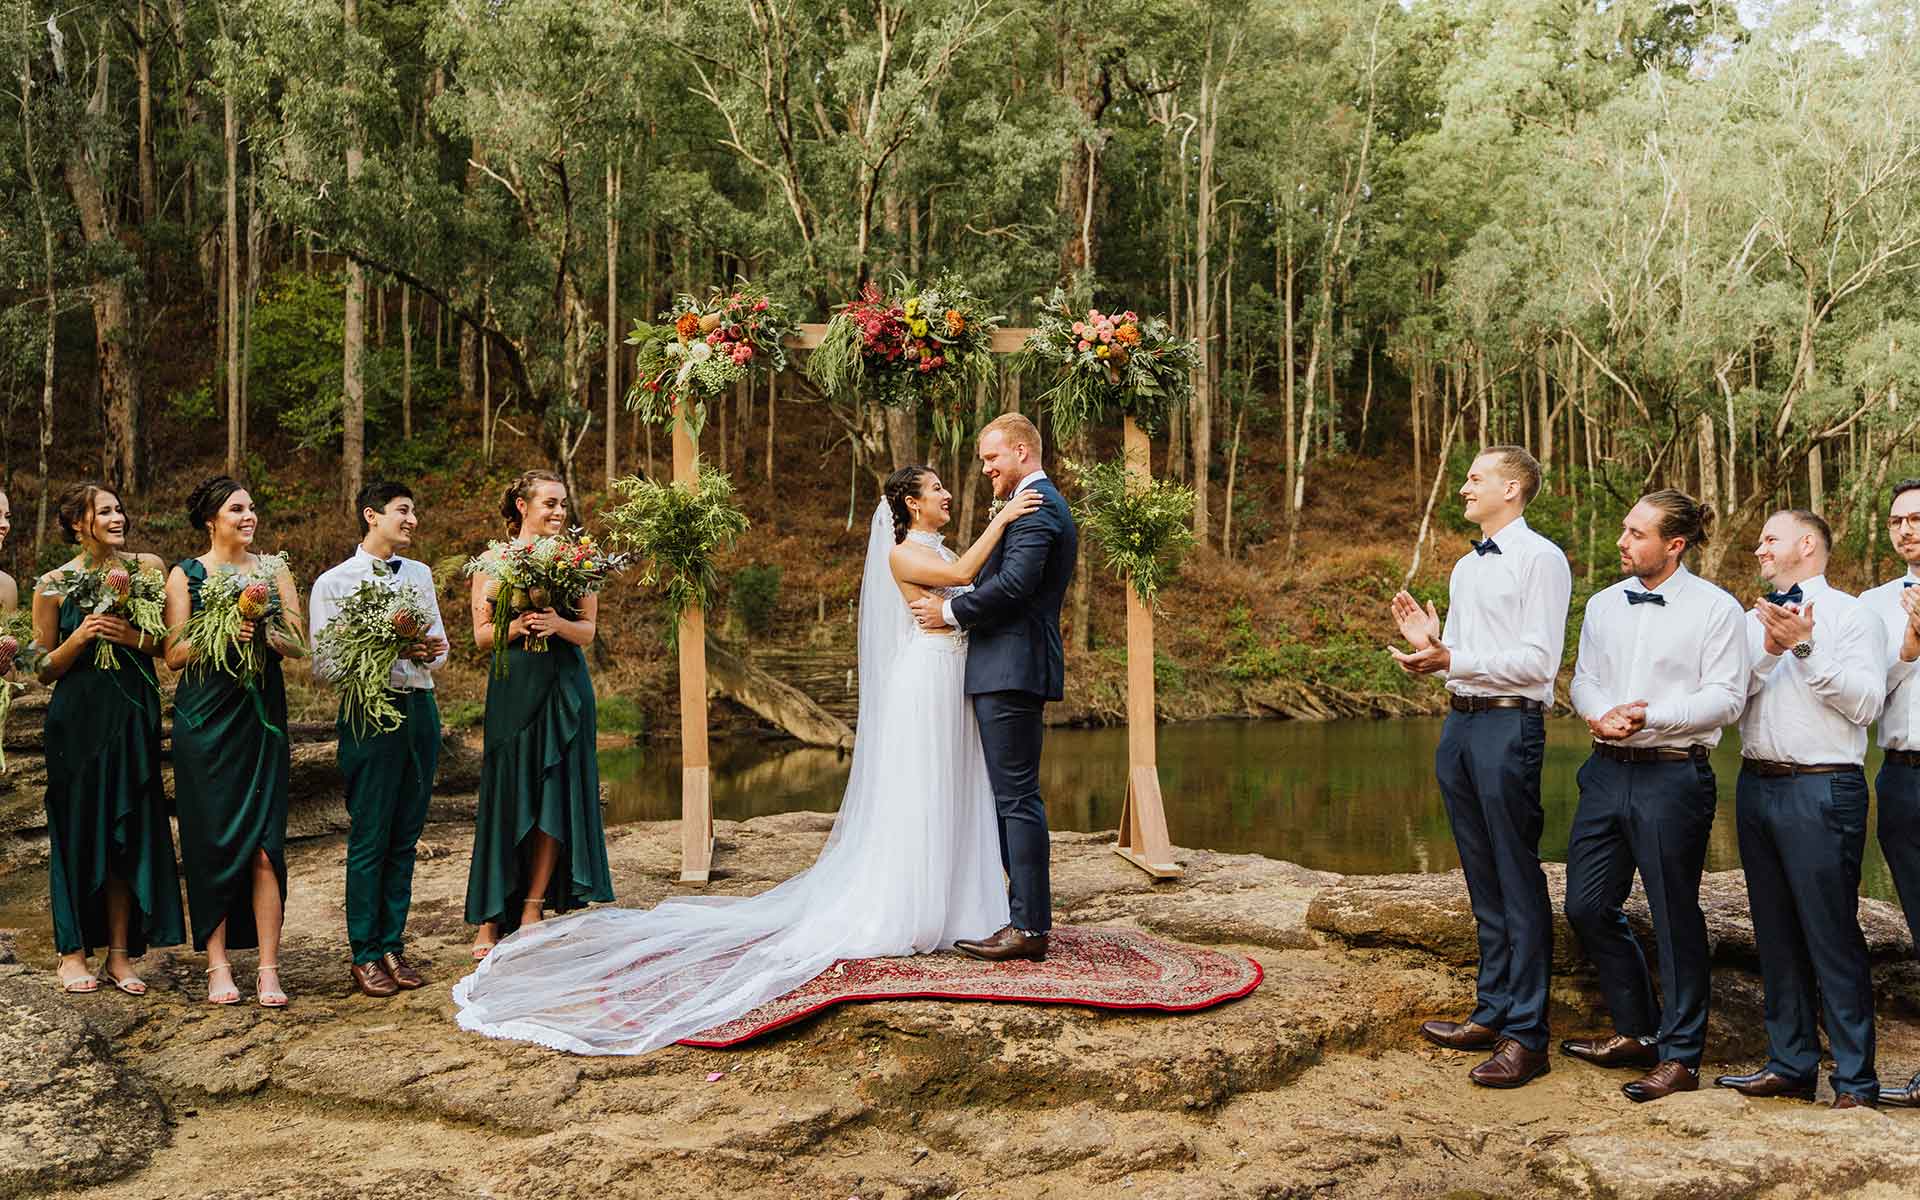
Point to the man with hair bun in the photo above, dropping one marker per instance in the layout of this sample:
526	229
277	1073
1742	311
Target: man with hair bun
1662	668
1897	604
1499	653
1818	679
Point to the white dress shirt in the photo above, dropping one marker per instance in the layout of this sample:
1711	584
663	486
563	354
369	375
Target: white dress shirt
332	588
1685	656
1507	617
1817	709
1900	722
946	606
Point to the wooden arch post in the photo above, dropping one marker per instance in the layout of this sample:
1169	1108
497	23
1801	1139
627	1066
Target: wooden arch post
696	783
1143	821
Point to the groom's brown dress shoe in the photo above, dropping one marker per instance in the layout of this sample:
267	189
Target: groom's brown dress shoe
372	980
1460	1035
1663	1081
1007	944
1616	1051
1511	1066
401	971
1765	1085
1849	1100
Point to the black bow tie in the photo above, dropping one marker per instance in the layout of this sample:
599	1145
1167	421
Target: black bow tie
1907	583
1790	596
1486	547
393	567
1634	597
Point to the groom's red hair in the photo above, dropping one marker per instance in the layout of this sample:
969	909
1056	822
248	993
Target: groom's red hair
1017	430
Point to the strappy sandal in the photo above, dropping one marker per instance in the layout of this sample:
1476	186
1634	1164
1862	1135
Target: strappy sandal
77	985
223	999
269	999
132	985
481	950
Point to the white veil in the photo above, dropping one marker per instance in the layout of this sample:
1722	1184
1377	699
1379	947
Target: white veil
623	981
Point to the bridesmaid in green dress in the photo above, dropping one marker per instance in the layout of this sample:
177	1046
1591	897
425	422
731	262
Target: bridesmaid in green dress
231	759
111	875
537	838
9	590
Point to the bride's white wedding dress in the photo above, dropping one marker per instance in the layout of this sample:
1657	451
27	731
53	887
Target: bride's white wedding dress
913	863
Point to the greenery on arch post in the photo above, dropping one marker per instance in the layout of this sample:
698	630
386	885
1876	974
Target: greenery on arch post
1144	527
678	529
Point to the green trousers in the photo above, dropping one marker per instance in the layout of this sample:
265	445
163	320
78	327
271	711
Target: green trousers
389	782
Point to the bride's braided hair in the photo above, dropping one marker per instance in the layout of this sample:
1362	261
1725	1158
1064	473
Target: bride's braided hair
901	484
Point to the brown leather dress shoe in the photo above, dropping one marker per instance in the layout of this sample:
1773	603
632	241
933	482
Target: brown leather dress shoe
1007	944
1902	1097
401	971
1460	1035
1511	1066
372	980
1663	1081
1765	1085
1849	1100
1616	1051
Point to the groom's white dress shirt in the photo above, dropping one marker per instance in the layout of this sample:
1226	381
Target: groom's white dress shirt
1817	709
1684	653
1507	617
332	588
946	607
1900	721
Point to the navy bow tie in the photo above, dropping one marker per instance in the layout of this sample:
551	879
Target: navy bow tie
1486	547
393	567
1907	583
1790	596
1634	597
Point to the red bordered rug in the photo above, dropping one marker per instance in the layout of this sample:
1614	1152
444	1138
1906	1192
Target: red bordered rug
1099	967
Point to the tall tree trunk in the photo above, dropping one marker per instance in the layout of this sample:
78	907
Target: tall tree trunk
613	322
143	71
256	254
353	370
1201	416
112	298
406	362
52	295
1709	461
231	267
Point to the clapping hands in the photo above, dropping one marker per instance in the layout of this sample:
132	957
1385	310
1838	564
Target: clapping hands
1786	625
1421	627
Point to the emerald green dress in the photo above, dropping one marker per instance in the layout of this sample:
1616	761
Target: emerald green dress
106	804
539	771
231	763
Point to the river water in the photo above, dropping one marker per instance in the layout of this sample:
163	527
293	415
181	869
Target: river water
1356	797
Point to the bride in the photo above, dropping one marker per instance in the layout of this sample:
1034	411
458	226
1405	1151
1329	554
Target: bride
913	861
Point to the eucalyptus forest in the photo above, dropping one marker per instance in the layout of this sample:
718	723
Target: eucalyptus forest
1655	241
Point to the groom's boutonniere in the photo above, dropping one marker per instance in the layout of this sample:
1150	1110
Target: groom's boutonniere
993	510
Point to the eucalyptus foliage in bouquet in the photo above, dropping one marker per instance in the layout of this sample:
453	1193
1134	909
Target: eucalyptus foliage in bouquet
917	346
677	529
230	597
547	572
17	649
1144	526
127	589
377	622
704	348
1096	361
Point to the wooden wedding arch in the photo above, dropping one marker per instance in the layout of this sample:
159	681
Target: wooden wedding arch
1143	818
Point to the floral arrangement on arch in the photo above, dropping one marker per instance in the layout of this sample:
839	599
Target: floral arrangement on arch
704	347
1098	360
909	348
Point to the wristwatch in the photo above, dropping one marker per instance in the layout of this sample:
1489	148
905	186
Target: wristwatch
1802	649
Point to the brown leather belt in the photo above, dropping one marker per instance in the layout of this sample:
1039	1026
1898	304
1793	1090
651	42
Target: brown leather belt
1904	758
1474	704
1651	754
1768	769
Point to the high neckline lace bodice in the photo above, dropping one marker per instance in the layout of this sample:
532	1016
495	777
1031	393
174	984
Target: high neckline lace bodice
927	538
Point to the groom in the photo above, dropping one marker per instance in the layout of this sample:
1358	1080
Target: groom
1014	666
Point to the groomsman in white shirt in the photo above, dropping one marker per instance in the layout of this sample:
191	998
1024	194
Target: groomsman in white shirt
1819	678
1662	667
1499	653
1897	604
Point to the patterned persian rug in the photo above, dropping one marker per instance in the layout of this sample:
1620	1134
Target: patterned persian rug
1098	967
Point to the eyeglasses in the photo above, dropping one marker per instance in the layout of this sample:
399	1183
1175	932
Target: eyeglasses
1910	521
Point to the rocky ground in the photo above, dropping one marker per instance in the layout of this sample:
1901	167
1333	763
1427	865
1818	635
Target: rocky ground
1314	1085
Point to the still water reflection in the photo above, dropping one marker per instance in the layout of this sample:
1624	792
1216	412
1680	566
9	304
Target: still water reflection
1348	796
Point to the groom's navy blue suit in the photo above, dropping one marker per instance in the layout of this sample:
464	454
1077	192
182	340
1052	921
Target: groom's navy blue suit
1015	664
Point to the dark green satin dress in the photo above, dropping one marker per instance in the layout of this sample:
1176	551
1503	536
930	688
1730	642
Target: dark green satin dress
539	771
231	763
106	804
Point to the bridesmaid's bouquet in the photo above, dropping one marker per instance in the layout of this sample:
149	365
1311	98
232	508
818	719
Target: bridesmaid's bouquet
376	623
17	649
230	597
129	590
547	572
